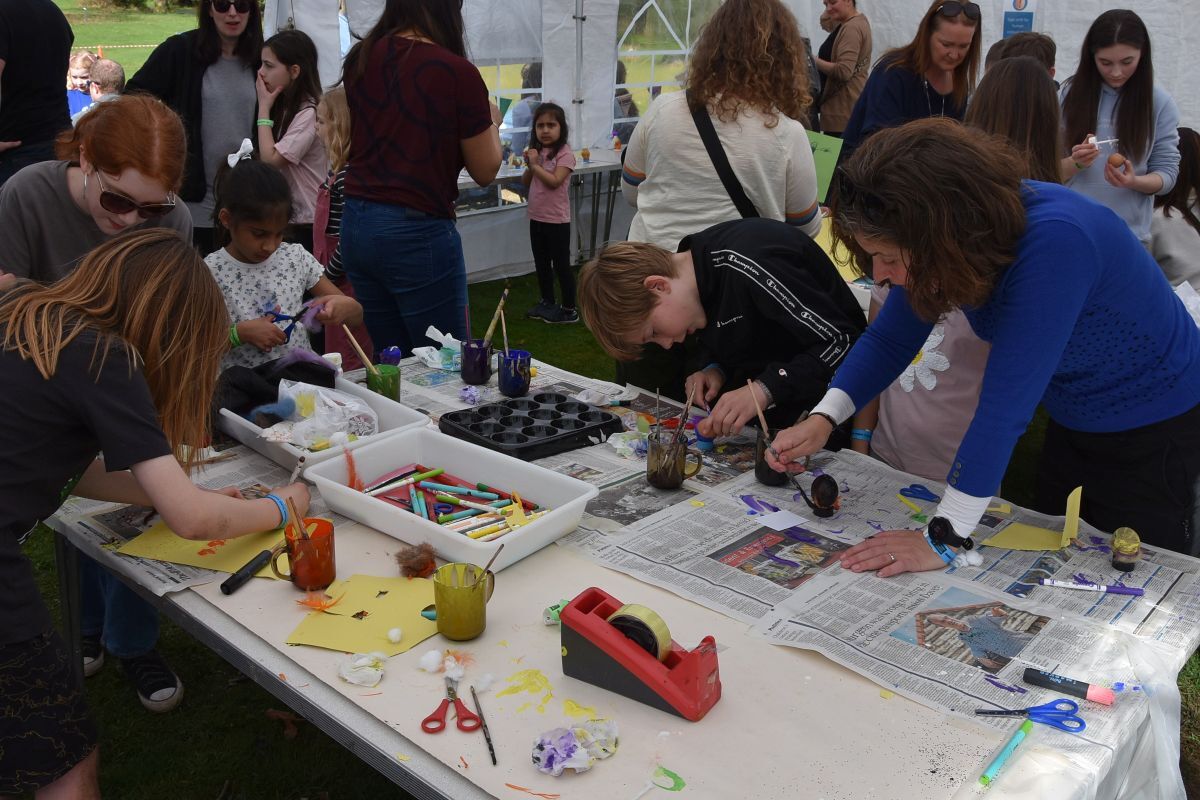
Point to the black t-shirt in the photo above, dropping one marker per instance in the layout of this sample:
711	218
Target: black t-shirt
50	432
777	310
35	45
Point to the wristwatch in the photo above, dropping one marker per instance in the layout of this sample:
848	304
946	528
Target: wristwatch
942	532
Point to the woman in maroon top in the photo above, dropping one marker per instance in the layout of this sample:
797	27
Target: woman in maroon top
419	113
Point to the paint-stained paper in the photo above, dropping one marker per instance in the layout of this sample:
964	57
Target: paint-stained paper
225	555
1020	536
368	607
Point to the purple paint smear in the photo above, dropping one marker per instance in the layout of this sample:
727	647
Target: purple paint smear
757	506
876	524
779	560
1082	579
809	539
999	684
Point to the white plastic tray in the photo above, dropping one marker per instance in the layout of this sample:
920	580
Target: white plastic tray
393	418
565	496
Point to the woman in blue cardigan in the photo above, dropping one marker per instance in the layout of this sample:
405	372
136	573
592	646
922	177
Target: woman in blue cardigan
1079	317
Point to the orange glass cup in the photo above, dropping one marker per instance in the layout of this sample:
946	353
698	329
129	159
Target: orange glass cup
311	561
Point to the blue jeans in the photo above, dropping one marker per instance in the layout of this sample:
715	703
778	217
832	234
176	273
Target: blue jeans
407	270
126	623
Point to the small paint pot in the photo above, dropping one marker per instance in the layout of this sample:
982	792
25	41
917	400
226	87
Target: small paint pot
385	380
514	373
762	470
391	355
311	561
476	362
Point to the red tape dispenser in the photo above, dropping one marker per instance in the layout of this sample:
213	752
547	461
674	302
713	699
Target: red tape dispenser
627	649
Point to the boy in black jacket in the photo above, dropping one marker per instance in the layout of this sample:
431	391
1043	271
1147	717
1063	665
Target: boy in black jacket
769	305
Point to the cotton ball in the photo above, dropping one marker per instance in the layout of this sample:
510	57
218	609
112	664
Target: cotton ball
454	668
431	661
395	635
485	682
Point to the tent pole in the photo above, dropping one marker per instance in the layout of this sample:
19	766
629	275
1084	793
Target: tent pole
577	102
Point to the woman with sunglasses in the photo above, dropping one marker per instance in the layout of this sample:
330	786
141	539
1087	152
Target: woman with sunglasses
1079	319
928	77
1120	129
207	75
120	168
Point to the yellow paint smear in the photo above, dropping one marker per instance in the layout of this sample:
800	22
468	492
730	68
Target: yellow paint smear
532	681
573	709
402	757
886	694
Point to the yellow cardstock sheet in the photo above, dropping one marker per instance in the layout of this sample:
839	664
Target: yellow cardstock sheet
226	555
1020	536
368	607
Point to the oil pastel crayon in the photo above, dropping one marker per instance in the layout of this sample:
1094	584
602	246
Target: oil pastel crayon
1088	691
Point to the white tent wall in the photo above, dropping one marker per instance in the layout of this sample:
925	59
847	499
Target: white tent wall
581	64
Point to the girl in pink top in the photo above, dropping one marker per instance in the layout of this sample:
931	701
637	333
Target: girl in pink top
288	90
548	174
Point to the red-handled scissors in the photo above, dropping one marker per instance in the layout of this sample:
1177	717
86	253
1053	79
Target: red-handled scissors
466	720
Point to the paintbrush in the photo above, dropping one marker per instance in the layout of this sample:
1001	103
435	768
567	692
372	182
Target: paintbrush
491	328
504	332
762	420
488	566
296	519
296	470
487	737
680	439
362	356
657	411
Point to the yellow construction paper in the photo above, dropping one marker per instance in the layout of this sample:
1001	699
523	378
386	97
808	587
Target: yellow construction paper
226	555
841	259
1020	536
400	607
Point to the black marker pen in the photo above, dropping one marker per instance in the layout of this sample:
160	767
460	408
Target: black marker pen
1088	691
235	581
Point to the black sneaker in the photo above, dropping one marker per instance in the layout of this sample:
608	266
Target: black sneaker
542	310
562	316
158	688
93	655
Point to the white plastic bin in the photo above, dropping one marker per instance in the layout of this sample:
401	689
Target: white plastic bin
565	496
393	417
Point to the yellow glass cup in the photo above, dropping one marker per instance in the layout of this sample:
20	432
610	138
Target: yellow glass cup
460	595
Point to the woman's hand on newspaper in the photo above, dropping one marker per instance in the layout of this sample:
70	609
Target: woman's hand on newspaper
891	553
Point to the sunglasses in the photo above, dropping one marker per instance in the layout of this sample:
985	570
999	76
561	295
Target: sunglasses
243	6
115	203
952	8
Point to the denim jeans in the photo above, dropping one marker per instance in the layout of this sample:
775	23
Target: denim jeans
126	623
407	270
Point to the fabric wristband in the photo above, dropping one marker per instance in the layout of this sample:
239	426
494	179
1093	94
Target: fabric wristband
234	339
768	398
269	123
861	434
283	512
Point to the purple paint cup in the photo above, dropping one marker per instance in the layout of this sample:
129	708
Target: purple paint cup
476	362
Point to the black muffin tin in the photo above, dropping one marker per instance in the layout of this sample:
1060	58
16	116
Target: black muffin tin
532	427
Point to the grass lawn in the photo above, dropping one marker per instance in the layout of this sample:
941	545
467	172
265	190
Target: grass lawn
126	37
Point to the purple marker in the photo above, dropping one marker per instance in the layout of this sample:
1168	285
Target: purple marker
1133	591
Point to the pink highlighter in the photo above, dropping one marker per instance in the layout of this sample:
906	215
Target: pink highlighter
1048	680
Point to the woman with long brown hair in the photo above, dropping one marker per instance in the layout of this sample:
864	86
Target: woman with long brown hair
1078	319
109	373
1112	106
1016	99
930	76
1175	228
748	73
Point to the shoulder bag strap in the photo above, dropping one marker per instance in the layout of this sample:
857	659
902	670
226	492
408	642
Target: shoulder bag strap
708	135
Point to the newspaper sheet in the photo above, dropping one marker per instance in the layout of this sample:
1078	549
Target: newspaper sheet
100	528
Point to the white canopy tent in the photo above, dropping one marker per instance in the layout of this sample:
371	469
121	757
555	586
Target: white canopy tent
578	43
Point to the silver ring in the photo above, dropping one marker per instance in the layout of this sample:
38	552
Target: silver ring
892	556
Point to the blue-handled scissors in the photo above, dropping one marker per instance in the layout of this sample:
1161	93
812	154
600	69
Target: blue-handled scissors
918	491
278	316
1060	713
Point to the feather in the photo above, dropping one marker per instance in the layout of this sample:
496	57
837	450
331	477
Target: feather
416	561
308	318
297	355
352	479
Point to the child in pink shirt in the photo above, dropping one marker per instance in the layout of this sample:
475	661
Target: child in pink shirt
548	176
